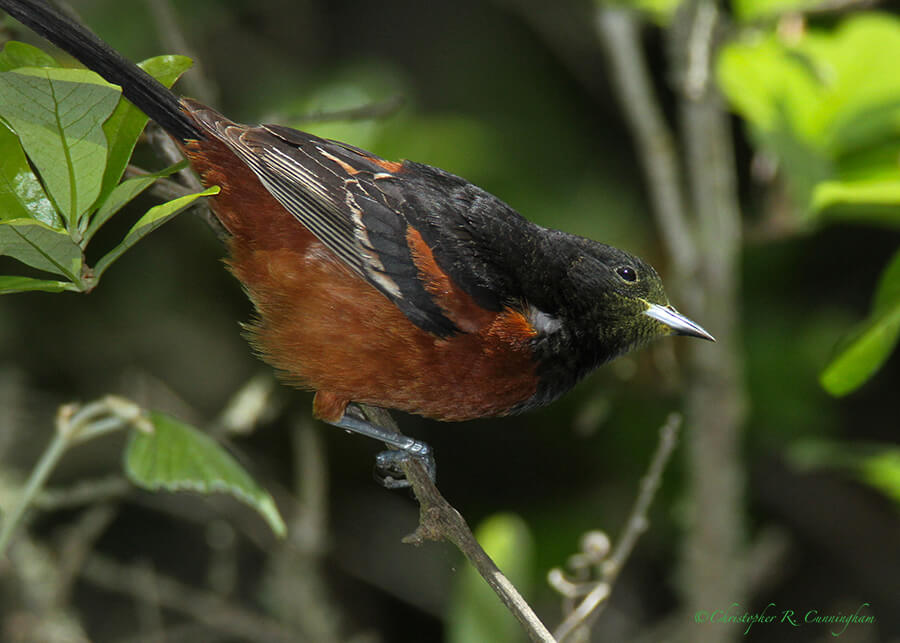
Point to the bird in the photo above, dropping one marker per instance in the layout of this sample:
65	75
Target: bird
392	284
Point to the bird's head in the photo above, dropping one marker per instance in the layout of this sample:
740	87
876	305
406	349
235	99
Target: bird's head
623	304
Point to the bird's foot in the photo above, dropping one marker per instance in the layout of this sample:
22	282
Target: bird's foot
388	464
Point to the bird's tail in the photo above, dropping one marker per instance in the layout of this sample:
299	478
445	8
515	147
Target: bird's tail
147	94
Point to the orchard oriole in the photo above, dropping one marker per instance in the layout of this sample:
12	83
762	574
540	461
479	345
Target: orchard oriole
393	284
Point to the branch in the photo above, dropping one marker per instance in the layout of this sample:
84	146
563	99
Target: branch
166	147
438	520
714	553
707	280
369	111
595	546
619	33
823	8
173	38
203	607
83	493
294	581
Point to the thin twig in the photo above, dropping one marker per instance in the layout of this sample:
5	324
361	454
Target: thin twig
596	600
299	592
637	521
165	146
77	544
173	38
74	424
202	606
83	493
438	520
369	111
33	601
823	8
619	32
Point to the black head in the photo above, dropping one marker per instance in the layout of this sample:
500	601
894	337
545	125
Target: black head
612	301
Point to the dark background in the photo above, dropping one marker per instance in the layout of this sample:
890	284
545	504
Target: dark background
491	94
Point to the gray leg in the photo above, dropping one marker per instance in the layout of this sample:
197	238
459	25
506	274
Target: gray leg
387	463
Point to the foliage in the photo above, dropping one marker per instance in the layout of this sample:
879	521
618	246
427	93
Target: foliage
162	454
877	465
176	456
532	133
868	346
826	105
77	133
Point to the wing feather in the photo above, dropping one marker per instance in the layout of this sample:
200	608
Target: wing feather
333	190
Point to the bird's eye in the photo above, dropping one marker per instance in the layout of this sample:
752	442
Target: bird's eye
626	273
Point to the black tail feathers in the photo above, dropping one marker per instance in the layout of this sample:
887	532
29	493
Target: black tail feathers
147	94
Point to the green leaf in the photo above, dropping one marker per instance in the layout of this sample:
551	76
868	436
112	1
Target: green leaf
870	344
877	465
42	247
58	116
127	122
826	104
155	217
872	200
121	195
882	471
21	194
660	11
178	457
10	284
475	613
887	295
18	54
757	9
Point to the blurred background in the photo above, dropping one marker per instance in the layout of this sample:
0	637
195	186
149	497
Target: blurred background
518	97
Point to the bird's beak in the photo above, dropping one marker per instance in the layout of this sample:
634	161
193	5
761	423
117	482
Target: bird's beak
679	324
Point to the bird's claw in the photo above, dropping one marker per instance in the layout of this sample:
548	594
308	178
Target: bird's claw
389	464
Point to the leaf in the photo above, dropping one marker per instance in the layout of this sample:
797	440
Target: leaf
475	613
882	471
660	11
870	344
58	116
121	195
10	285
123	128
757	9
155	217
873	200
19	54
21	194
877	465
178	457
825	103
42	247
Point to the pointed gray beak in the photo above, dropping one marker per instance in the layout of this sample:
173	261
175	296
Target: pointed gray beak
679	324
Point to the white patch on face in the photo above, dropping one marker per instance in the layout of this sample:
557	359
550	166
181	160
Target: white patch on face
543	323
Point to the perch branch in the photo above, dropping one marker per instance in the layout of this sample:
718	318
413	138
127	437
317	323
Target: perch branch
439	520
